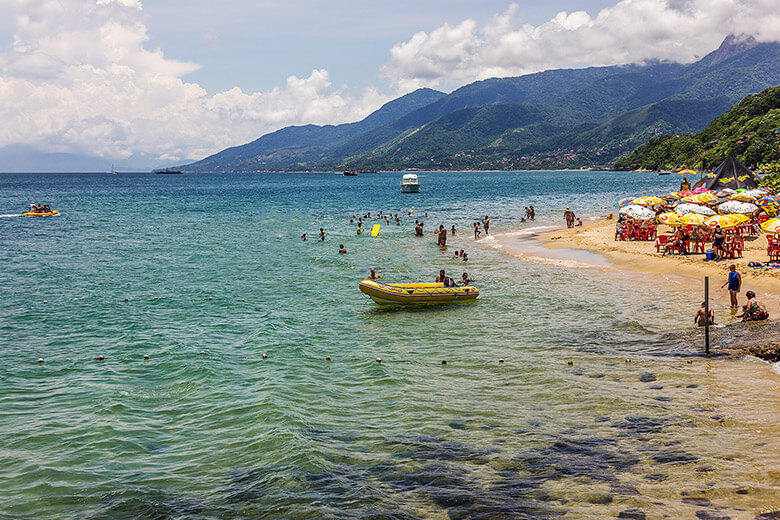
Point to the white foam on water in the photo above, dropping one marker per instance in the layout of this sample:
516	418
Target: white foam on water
557	262
9	216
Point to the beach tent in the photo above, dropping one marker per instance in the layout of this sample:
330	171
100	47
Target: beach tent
730	174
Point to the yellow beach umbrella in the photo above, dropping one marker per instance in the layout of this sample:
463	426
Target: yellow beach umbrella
771	226
742	197
702	198
692	219
670	218
726	221
686	172
648	201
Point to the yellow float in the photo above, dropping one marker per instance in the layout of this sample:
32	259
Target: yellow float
416	293
36	214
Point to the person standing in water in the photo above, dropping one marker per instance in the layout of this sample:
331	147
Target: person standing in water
322	234
486	224
735	283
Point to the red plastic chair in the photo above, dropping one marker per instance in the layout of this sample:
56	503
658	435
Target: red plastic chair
660	242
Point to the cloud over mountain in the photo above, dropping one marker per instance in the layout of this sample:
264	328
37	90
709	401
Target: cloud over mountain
632	31
78	78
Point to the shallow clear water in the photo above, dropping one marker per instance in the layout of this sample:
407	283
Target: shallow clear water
172	266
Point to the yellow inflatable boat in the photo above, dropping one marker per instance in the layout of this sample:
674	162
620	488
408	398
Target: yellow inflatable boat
416	293
36	214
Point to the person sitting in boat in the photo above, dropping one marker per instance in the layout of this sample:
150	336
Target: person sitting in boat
39	209
465	280
444	279
46	208
372	274
32	207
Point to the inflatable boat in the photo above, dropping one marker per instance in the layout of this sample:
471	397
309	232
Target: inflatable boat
36	214
416	293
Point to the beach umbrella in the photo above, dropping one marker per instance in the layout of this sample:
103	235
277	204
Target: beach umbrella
670	218
684	209
692	219
734	206
701	198
685	193
756	193
742	197
726	221
687	172
701	189
638	212
648	201
765	201
771	226
623	202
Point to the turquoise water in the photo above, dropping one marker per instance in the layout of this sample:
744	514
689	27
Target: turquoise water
237	414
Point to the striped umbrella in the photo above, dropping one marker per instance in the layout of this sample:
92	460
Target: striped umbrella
771	226
741	197
765	201
726	221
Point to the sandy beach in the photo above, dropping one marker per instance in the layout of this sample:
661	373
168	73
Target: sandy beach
640	256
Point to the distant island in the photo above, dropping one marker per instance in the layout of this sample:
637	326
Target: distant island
557	119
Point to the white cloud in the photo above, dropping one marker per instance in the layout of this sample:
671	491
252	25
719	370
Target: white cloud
631	31
79	79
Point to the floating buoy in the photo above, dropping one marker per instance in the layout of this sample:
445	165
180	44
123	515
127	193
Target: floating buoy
501	360
45	301
202	352
75	299
379	360
243	300
327	358
146	356
265	356
100	357
210	298
40	360
156	298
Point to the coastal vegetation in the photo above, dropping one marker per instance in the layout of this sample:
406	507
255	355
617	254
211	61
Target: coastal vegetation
549	120
750	131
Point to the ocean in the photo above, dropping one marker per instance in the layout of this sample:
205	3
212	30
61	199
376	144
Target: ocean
603	405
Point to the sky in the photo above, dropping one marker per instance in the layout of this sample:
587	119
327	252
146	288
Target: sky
171	81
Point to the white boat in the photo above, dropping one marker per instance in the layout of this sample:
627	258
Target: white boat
410	183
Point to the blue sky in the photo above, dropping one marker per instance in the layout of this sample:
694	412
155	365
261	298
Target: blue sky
257	45
175	80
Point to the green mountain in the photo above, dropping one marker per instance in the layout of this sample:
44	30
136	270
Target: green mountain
553	119
750	131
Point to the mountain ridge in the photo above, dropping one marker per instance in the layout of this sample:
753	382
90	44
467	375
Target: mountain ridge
560	118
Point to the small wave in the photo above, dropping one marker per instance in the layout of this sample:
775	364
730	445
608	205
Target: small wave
9	216
558	262
528	232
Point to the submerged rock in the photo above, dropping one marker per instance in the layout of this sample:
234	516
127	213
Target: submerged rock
632	514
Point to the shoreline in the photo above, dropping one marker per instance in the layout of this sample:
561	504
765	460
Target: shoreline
593	246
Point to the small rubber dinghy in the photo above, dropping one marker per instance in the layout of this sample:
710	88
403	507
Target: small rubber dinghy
416	293
38	214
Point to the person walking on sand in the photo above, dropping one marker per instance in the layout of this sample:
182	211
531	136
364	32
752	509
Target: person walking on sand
735	283
717	242
701	316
